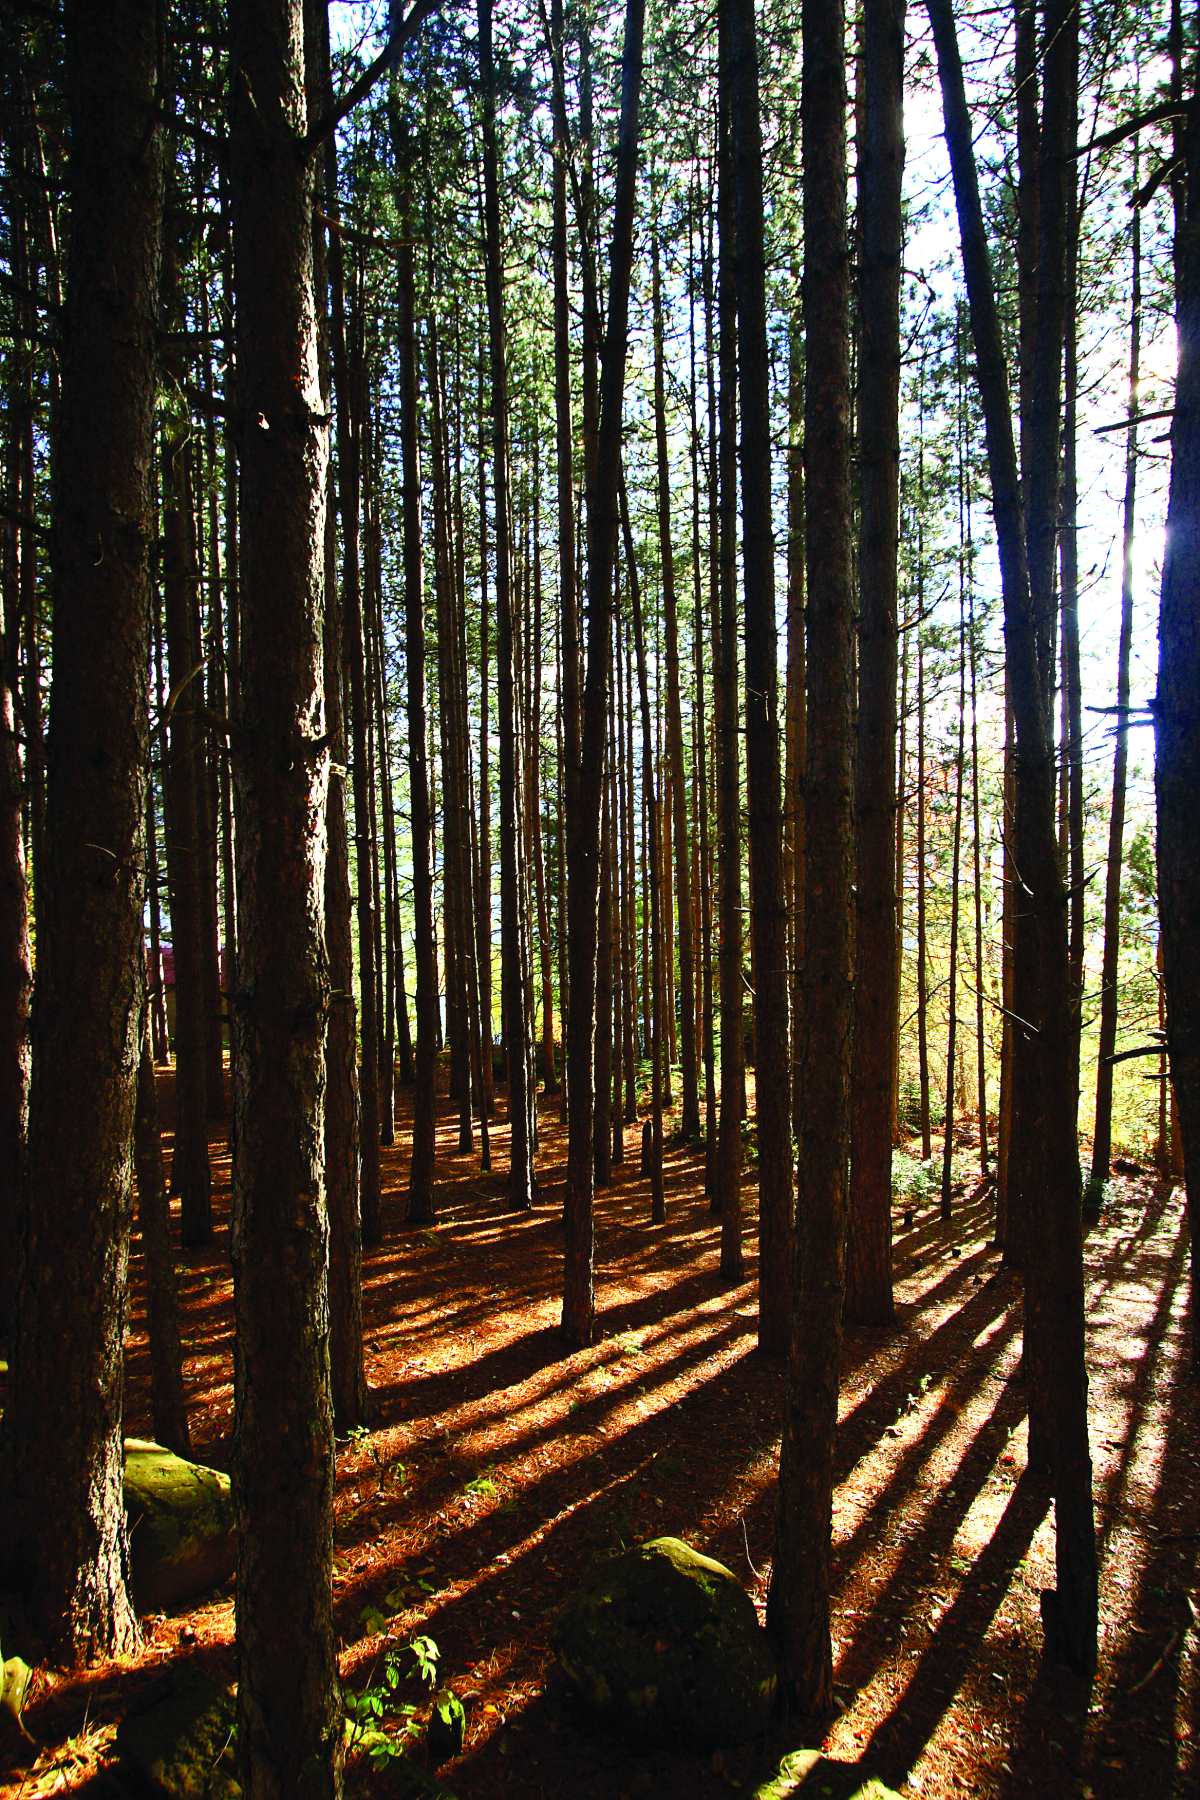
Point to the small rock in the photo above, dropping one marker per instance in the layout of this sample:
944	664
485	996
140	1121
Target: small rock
180	1743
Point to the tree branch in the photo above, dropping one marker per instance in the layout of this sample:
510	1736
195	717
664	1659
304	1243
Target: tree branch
402	32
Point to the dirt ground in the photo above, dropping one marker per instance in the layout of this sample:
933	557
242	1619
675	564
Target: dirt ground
498	1467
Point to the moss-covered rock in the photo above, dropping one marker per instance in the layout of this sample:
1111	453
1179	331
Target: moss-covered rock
664	1644
181	1742
808	1772
181	1526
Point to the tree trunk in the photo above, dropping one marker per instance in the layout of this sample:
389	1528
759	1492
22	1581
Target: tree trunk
1110	972
772	1046
183	777
798	1602
168	1399
1054	1291
421	1204
881	168
65	1533
1177	708
689	1117
727	1197
514	940
583	830
289	1705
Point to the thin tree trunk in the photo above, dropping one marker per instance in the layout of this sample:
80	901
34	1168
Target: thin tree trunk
421	1204
1057	1371
881	168
514	945
727	1197
168	1399
772	1047
650	800
578	1316
1110	970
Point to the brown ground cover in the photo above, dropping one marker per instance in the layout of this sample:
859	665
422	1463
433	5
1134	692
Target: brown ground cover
498	1466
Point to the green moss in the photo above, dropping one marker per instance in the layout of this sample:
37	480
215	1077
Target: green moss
181	1744
181	1526
664	1643
808	1772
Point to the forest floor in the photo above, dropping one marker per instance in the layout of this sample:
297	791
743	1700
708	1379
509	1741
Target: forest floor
499	1467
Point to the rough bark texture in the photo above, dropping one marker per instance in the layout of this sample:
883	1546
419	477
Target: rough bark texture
16	988
420	1179
1177	711
1102	1131
772	1047
798	1603
727	1195
168	1401
1054	1290
63	1428
183	768
881	167
689	1115
583	829
289	1707
514	937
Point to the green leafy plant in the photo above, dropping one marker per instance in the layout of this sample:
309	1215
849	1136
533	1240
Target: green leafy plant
383	1702
482	1484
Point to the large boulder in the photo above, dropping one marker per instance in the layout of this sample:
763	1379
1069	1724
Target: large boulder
180	1743
808	1772
664	1645
181	1526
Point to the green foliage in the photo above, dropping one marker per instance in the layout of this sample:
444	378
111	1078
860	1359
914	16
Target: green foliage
912	1179
383	1701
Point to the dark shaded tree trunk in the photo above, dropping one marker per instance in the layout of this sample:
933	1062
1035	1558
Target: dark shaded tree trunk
514	937
16	973
289	1724
880	173
583	829
689	1116
772	1046
183	780
168	1399
798	1602
1057	1371
421	1204
1177	707
653	1164
347	1373
727	1197
63	1468
349	388
1109	977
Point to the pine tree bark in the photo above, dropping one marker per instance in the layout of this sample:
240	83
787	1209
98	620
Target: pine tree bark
1177	708
727	1197
880	173
289	1724
63	1468
514	937
168	1399
1110	969
772	1045
798	1602
420	1206
183	776
583	829
1057	1371
16	970
689	1116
